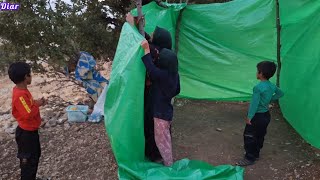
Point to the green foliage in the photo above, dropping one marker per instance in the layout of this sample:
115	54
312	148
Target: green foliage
55	32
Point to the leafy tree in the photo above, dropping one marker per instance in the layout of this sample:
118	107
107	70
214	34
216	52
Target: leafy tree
54	32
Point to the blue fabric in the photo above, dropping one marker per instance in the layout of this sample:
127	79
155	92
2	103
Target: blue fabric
95	118
86	73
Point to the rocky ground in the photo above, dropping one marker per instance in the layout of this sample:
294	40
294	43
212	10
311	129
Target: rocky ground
208	131
69	151
64	145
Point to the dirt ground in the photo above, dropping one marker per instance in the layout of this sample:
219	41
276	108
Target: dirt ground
81	151
197	135
207	131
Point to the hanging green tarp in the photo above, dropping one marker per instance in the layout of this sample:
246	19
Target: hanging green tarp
159	16
124	121
300	73
220	45
124	115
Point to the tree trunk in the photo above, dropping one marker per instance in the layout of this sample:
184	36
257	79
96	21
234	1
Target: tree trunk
141	21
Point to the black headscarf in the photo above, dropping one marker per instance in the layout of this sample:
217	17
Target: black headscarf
168	60
162	38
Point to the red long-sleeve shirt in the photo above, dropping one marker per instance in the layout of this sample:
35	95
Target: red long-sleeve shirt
25	110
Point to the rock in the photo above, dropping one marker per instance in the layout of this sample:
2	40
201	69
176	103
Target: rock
77	128
49	113
5	176
52	122
58	115
274	169
80	141
64	116
5	117
78	99
3	135
70	83
47	125
7	124
287	143
66	126
179	104
10	130
45	118
43	123
62	120
219	129
13	119
14	125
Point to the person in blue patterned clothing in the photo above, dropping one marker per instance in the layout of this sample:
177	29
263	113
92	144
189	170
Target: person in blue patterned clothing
85	72
84	66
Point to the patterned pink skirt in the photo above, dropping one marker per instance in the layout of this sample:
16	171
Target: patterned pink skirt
163	140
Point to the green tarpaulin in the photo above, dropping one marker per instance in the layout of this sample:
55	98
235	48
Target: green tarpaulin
300	73
158	16
124	121
124	110
219	47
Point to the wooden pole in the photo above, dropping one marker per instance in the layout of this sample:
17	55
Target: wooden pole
141	21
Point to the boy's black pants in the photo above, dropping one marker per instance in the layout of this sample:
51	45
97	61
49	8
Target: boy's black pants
29	152
254	135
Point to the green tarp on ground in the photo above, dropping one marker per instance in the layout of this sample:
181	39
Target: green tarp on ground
220	45
300	73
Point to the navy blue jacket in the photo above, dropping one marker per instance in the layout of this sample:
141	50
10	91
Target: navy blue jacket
164	87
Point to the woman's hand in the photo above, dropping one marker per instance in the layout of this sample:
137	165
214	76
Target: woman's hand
130	19
145	46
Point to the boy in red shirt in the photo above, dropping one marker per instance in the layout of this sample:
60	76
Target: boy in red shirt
26	111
